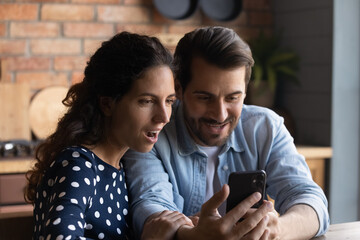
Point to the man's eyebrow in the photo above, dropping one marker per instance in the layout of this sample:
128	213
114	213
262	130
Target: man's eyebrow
207	93
202	92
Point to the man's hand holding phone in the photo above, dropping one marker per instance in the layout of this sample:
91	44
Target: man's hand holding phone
212	226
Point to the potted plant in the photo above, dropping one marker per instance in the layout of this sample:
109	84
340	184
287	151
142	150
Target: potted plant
272	63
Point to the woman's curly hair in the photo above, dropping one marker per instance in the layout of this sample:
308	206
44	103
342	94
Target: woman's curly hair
110	72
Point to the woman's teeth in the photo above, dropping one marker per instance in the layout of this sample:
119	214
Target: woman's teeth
152	133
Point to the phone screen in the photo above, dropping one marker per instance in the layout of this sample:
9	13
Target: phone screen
243	184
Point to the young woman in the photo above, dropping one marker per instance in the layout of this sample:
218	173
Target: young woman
78	184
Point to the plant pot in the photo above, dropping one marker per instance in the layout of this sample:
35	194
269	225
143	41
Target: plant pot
261	95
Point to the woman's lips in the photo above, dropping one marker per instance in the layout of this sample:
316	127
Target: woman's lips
152	136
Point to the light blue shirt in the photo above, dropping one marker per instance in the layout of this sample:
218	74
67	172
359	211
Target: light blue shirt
173	175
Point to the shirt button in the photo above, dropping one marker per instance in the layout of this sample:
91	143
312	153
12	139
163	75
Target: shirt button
225	167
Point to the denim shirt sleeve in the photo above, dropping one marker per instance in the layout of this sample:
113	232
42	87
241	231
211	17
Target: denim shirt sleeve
149	187
289	180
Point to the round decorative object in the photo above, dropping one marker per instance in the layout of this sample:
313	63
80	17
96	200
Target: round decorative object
176	9
45	110
221	10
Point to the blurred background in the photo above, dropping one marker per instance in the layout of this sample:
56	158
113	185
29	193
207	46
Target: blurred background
307	70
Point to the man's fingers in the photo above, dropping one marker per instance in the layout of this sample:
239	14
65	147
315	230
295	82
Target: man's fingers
210	207
252	222
240	210
260	231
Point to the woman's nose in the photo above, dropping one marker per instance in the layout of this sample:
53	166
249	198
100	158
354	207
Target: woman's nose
163	114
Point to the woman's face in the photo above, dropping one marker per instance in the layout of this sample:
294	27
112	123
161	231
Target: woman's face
139	116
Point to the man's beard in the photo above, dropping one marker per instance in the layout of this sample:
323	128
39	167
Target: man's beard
194	127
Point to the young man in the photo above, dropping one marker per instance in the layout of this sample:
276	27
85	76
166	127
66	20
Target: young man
212	133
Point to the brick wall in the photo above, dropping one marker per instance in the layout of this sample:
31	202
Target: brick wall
47	42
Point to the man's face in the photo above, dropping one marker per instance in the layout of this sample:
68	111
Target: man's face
213	101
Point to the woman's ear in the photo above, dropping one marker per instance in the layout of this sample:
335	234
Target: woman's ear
106	105
178	90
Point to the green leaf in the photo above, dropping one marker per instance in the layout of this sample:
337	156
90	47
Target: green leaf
258	74
282	58
272	78
271	61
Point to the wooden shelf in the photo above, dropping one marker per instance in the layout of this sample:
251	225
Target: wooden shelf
316	158
15	211
310	152
15	165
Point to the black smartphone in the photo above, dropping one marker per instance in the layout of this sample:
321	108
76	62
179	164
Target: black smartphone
243	184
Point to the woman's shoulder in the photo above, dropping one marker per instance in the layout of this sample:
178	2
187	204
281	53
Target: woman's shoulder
75	158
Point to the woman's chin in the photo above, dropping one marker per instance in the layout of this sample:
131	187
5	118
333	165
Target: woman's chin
144	148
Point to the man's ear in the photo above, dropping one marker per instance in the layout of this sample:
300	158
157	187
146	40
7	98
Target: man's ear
178	90
106	105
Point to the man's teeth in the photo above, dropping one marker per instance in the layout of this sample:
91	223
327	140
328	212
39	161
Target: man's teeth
216	126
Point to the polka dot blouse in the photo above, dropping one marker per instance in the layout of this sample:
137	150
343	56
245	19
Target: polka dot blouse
81	197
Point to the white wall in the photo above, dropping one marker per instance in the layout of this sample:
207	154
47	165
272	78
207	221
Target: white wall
344	182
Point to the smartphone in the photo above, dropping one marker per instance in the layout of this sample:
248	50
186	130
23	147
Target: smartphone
243	184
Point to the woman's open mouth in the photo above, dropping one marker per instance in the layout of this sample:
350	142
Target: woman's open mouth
152	136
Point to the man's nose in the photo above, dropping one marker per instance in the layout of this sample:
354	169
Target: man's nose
219	111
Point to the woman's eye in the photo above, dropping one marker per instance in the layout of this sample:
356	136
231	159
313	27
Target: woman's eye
170	101
233	98
146	101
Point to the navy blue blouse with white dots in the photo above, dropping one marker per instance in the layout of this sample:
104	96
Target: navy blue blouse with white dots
81	197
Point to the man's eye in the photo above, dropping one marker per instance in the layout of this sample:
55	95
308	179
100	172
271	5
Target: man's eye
145	101
203	98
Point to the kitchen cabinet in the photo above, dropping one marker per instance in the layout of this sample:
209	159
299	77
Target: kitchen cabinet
317	158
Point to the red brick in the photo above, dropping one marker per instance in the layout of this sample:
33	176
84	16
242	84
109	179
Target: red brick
96	1
240	20
55	46
260	18
257	4
43	1
247	33
76	77
128	14
169	40
182	29
67	12
140	28
70	63
90	46
36	29
12	46
5	75
2	29
18	11
38	80
27	63
88	30
139	2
